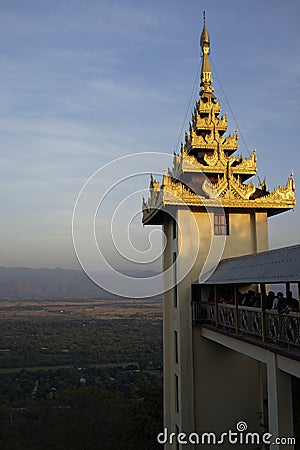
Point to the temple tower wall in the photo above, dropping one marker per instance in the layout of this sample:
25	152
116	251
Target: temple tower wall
184	350
207	198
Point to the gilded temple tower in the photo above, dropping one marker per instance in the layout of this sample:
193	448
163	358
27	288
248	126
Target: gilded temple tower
209	210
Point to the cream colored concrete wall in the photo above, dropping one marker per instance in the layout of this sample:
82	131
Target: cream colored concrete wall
227	388
248	234
280	401
193	230
274	380
168	327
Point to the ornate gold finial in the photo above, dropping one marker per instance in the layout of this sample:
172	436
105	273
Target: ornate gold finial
206	73
204	40
151	181
292	182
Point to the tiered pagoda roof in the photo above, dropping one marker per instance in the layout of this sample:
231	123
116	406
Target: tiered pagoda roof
206	173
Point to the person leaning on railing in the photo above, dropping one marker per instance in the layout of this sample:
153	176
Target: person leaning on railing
249	298
291	302
270	299
285	305
276	300
257	301
282	307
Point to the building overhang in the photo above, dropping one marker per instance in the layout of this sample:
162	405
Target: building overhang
155	215
228	193
274	266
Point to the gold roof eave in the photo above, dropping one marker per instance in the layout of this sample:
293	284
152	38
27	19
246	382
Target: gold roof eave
227	193
217	163
153	216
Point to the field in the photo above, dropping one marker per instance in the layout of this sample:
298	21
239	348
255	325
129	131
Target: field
84	309
62	361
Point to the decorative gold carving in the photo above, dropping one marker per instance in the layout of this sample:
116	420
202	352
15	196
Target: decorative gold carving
205	150
154	185
263	185
283	193
205	107
231	191
231	142
245	166
209	189
229	187
210	122
216	163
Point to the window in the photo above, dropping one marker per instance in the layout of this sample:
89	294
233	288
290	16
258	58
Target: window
176	394
174	227
176	346
175	280
177	433
221	224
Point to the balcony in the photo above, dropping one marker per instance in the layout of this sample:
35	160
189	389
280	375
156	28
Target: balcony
217	302
264	326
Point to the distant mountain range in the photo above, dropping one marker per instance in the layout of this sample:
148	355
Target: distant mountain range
20	283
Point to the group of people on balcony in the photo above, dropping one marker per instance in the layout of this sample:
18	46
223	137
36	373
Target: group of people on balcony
283	305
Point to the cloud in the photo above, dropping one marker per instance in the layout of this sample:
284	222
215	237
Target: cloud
85	82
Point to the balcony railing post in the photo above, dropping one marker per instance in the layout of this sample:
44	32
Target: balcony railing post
237	324
263	311
216	306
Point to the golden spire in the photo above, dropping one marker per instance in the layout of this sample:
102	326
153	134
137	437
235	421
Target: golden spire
204	35
206	73
206	172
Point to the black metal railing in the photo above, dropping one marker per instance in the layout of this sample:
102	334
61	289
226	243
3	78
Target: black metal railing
267	326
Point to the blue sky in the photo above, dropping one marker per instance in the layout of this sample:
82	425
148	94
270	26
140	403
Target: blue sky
85	82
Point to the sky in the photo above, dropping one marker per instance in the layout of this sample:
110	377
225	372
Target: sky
83	83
